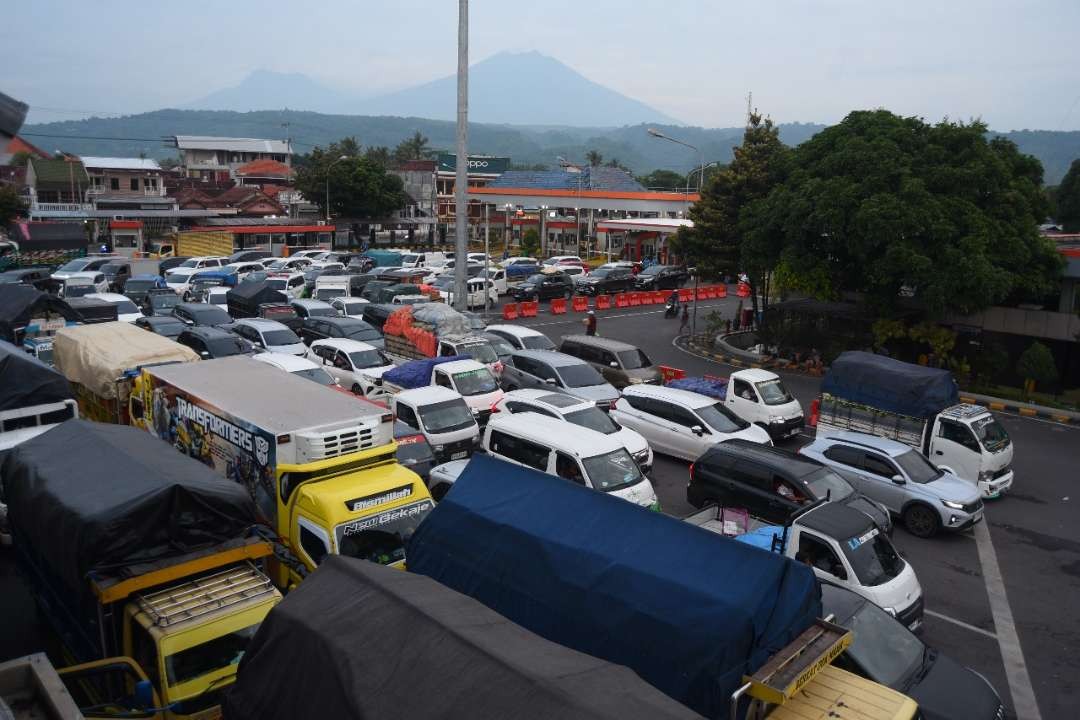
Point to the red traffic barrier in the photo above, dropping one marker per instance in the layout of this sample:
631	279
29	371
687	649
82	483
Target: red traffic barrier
702	293
558	307
686	295
529	309
815	411
510	311
581	303
635	299
659	297
622	300
711	292
669	373
721	291
603	302
743	290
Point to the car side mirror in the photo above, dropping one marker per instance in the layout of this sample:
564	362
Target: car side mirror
698	430
899	480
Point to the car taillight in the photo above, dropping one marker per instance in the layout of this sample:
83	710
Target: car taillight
691	470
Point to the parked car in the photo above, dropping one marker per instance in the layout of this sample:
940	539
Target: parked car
680	423
160	302
376	314
126	311
117	273
576	411
564	260
202	281
298	366
320	328
244	268
313	308
926	498
214	342
165	325
620	363
269	335
544	286
556	371
90	263
521	337
138	287
502	347
661	277
246	256
606	280
37	277
475	293
201	314
290	283
352	307
885	651
772	483
90	278
168	264
293	263
355	364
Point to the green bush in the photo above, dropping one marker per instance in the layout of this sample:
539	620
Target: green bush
530	242
1037	365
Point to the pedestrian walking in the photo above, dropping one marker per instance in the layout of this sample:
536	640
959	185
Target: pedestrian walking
685	319
590	323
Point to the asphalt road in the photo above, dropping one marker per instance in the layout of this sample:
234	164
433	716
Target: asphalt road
1021	579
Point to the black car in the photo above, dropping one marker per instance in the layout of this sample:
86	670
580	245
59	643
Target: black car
247	256
885	651
661	277
201	314
413	450
169	263
319	328
376	314
606	280
544	286
165	325
372	289
160	301
771	483
37	277
214	342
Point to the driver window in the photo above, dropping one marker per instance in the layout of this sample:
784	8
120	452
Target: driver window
957	433
341	362
817	554
787	491
568	469
743	390
878	466
406	415
312	545
443	380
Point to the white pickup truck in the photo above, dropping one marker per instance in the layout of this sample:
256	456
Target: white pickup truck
757	396
469	378
447	422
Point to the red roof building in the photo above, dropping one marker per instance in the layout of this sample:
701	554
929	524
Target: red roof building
18	145
265	170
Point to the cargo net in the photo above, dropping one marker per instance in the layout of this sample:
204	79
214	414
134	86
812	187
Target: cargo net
413	331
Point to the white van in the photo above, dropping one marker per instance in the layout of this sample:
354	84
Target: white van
443	417
574	453
423	259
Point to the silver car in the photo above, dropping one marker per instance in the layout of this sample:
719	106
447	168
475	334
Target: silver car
557	371
270	335
926	498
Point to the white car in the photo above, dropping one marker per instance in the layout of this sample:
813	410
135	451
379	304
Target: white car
681	423
521	337
218	296
564	260
326	265
126	311
352	307
270	335
299	366
355	364
497	276
310	254
290	263
94	278
475	296
519	260
90	263
243	269
290	283
577	412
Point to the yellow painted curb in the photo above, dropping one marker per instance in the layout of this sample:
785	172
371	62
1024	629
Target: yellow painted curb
997	406
1028	412
1062	418
968	400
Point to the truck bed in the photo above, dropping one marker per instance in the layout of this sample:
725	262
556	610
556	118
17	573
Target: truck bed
839	414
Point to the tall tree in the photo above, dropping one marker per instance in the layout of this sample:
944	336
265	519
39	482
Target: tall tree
1067	199
11	205
594	158
360	186
412	148
890	206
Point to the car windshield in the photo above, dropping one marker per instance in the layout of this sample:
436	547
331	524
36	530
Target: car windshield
321	312
443	282
652	270
362	334
169	326
873	557
382	538
824	482
446	416
991	433
277	283
576	376
916	467
480	352
165	301
593	418
502	347
226	346
191	262
368	359
475	382
284	336
773	392
126	307
600	272
176	278
210	656
634	359
537	342
112	269
413	450
886	651
317	374
612	471
73	266
74	291
211	315
535	279
719	418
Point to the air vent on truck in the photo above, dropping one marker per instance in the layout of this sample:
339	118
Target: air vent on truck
320	446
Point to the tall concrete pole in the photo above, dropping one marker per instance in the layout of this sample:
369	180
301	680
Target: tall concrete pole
461	181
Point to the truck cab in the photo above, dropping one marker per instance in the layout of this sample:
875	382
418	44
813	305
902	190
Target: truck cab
970	441
473	381
759	397
443	417
476	347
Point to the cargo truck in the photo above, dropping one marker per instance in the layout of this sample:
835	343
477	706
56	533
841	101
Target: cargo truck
319	464
465	376
702	618
132	550
920	407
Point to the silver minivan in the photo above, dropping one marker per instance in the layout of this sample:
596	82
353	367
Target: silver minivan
560	372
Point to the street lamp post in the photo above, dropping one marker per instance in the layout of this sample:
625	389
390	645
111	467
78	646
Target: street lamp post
461	170
335	162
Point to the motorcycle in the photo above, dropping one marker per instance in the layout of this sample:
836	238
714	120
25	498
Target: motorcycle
671	309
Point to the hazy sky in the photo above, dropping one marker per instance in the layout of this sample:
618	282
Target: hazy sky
1014	64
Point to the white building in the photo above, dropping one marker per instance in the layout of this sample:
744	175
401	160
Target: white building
217	158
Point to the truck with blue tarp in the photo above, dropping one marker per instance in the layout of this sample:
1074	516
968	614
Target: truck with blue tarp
700	617
757	396
918	406
460	373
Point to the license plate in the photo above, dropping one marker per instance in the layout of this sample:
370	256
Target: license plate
792	433
459	455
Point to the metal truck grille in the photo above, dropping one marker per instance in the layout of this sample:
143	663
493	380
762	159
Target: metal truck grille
334	444
205	595
1003	472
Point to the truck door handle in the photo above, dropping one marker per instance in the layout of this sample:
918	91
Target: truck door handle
939	452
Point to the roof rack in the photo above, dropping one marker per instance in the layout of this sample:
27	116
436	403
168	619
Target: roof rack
789	670
204	595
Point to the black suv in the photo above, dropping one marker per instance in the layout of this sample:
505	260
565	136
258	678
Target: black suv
201	314
771	483
661	277
213	342
320	328
606	280
544	286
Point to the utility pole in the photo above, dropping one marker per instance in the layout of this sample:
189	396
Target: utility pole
461	180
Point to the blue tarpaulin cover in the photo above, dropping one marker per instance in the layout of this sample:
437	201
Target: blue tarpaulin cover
762	537
704	386
417	373
891	385
688	610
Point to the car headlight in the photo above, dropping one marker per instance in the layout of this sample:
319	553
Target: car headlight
953	505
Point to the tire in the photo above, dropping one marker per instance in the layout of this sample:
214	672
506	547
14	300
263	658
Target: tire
921	520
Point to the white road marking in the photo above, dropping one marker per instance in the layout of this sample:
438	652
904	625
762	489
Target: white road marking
1023	696
961	623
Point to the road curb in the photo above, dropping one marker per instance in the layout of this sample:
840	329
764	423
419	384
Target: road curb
1037	411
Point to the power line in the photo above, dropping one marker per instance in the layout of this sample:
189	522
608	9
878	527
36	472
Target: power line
90	137
72	111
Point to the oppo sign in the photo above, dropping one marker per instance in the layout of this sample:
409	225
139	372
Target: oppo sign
491	165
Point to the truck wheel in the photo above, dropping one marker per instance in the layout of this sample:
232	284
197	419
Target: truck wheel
921	521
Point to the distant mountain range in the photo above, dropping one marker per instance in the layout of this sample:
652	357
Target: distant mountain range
514	88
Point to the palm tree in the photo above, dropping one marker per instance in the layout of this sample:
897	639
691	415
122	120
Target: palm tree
594	158
413	148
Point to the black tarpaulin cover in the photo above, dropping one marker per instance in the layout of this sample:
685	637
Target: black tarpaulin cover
247	297
94	497
28	381
20	303
891	385
359	640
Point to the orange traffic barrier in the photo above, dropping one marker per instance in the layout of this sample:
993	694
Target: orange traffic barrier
558	307
659	297
702	294
635	299
669	373
622	300
815	411
529	309
743	291
603	302
721	291
711	291
510	311
686	295
581	303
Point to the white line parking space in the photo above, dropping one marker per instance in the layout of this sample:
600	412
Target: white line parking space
961	623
